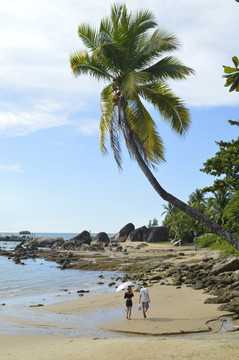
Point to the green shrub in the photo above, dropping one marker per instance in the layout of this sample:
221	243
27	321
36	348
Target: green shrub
215	242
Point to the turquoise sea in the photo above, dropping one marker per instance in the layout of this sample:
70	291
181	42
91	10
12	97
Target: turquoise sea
22	287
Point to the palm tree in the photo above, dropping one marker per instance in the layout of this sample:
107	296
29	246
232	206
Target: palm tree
169	211
180	225
196	199
217	204
127	54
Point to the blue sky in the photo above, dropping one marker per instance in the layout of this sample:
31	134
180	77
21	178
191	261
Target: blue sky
53	177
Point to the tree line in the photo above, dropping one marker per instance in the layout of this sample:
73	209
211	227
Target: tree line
220	202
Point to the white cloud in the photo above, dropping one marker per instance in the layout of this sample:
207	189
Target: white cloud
37	38
22	122
13	168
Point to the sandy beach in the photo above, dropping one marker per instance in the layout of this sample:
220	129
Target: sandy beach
178	326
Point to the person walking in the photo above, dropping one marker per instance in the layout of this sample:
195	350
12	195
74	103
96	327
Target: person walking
144	298
129	303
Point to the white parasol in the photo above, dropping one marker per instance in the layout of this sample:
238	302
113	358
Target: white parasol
124	286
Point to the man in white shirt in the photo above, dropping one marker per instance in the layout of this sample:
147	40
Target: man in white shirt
144	297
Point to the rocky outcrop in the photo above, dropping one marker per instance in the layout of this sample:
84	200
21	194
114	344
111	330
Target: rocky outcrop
70	244
123	234
20	252
229	264
45	241
218	277
83	237
95	247
76	242
138	234
157	234
101	239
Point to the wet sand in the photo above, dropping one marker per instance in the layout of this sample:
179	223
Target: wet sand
55	348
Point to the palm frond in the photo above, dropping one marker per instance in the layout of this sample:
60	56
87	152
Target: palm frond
116	12
103	130
150	47
104	37
109	124
168	68
138	25
168	105
107	110
115	139
131	140
142	124
128	86
82	63
111	55
165	41
143	21
121	27
89	36
106	26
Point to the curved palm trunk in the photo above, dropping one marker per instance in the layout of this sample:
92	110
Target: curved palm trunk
210	224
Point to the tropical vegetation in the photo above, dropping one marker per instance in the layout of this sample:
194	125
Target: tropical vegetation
129	53
153	223
232	75
222	205
215	242
225	163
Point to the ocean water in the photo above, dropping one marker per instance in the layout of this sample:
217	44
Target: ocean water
66	236
22	287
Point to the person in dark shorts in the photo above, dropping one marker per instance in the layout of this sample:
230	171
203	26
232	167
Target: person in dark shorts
129	303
